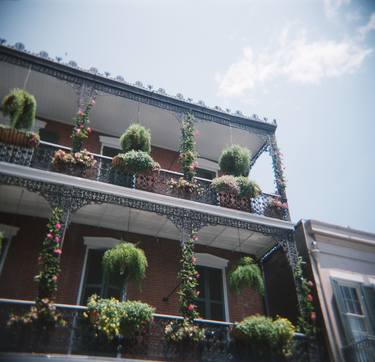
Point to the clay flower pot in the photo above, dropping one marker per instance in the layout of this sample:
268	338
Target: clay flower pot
18	138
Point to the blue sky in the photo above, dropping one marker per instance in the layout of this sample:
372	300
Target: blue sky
308	63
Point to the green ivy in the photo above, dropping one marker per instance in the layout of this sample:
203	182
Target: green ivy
188	153
82	129
44	312
246	274
306	322
20	106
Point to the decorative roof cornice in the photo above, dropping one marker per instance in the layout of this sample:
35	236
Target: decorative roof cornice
71	72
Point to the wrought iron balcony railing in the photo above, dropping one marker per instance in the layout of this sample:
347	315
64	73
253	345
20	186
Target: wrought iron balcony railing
78	338
360	351
41	158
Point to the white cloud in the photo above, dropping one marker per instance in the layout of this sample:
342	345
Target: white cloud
297	61
370	26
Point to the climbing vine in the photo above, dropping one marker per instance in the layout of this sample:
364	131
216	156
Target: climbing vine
44	312
307	320
278	167
188	153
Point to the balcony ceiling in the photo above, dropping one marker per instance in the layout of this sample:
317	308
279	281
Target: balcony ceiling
57	101
15	200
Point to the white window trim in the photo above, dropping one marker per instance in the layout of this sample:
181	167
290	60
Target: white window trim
208	165
93	242
212	261
9	232
113	142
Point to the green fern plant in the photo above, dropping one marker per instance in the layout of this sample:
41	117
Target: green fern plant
136	138
126	261
246	274
20	106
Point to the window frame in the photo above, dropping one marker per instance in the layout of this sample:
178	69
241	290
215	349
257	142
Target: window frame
93	243
215	262
345	317
9	232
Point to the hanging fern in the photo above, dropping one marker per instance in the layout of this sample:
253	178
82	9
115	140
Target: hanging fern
126	261
20	106
247	274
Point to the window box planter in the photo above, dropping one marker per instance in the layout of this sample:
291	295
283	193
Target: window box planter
233	201
146	180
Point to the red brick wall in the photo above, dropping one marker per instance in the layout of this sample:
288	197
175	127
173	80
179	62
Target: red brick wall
16	279
167	159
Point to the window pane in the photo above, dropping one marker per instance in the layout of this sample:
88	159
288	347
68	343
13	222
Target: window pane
113	293
216	284
201	309
110	151
94	273
217	311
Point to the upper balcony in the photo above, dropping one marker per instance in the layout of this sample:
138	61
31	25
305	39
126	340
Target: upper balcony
41	158
61	89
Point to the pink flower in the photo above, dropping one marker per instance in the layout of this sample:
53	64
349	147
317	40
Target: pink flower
54	278
191	307
195	237
310	283
58	251
93	102
309	297
313	316
57	239
49	236
78	131
58	226
89	130
81	126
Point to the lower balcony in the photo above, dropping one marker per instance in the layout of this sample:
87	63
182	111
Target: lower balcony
78	338
41	158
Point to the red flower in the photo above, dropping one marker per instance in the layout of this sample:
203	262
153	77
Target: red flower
191	307
58	226
309	297
58	251
313	316
49	236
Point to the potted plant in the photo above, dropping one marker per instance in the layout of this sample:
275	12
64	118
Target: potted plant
246	274
135	159
260	338
184	188
275	208
20	106
78	161
75	164
235	192
128	262
125	321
